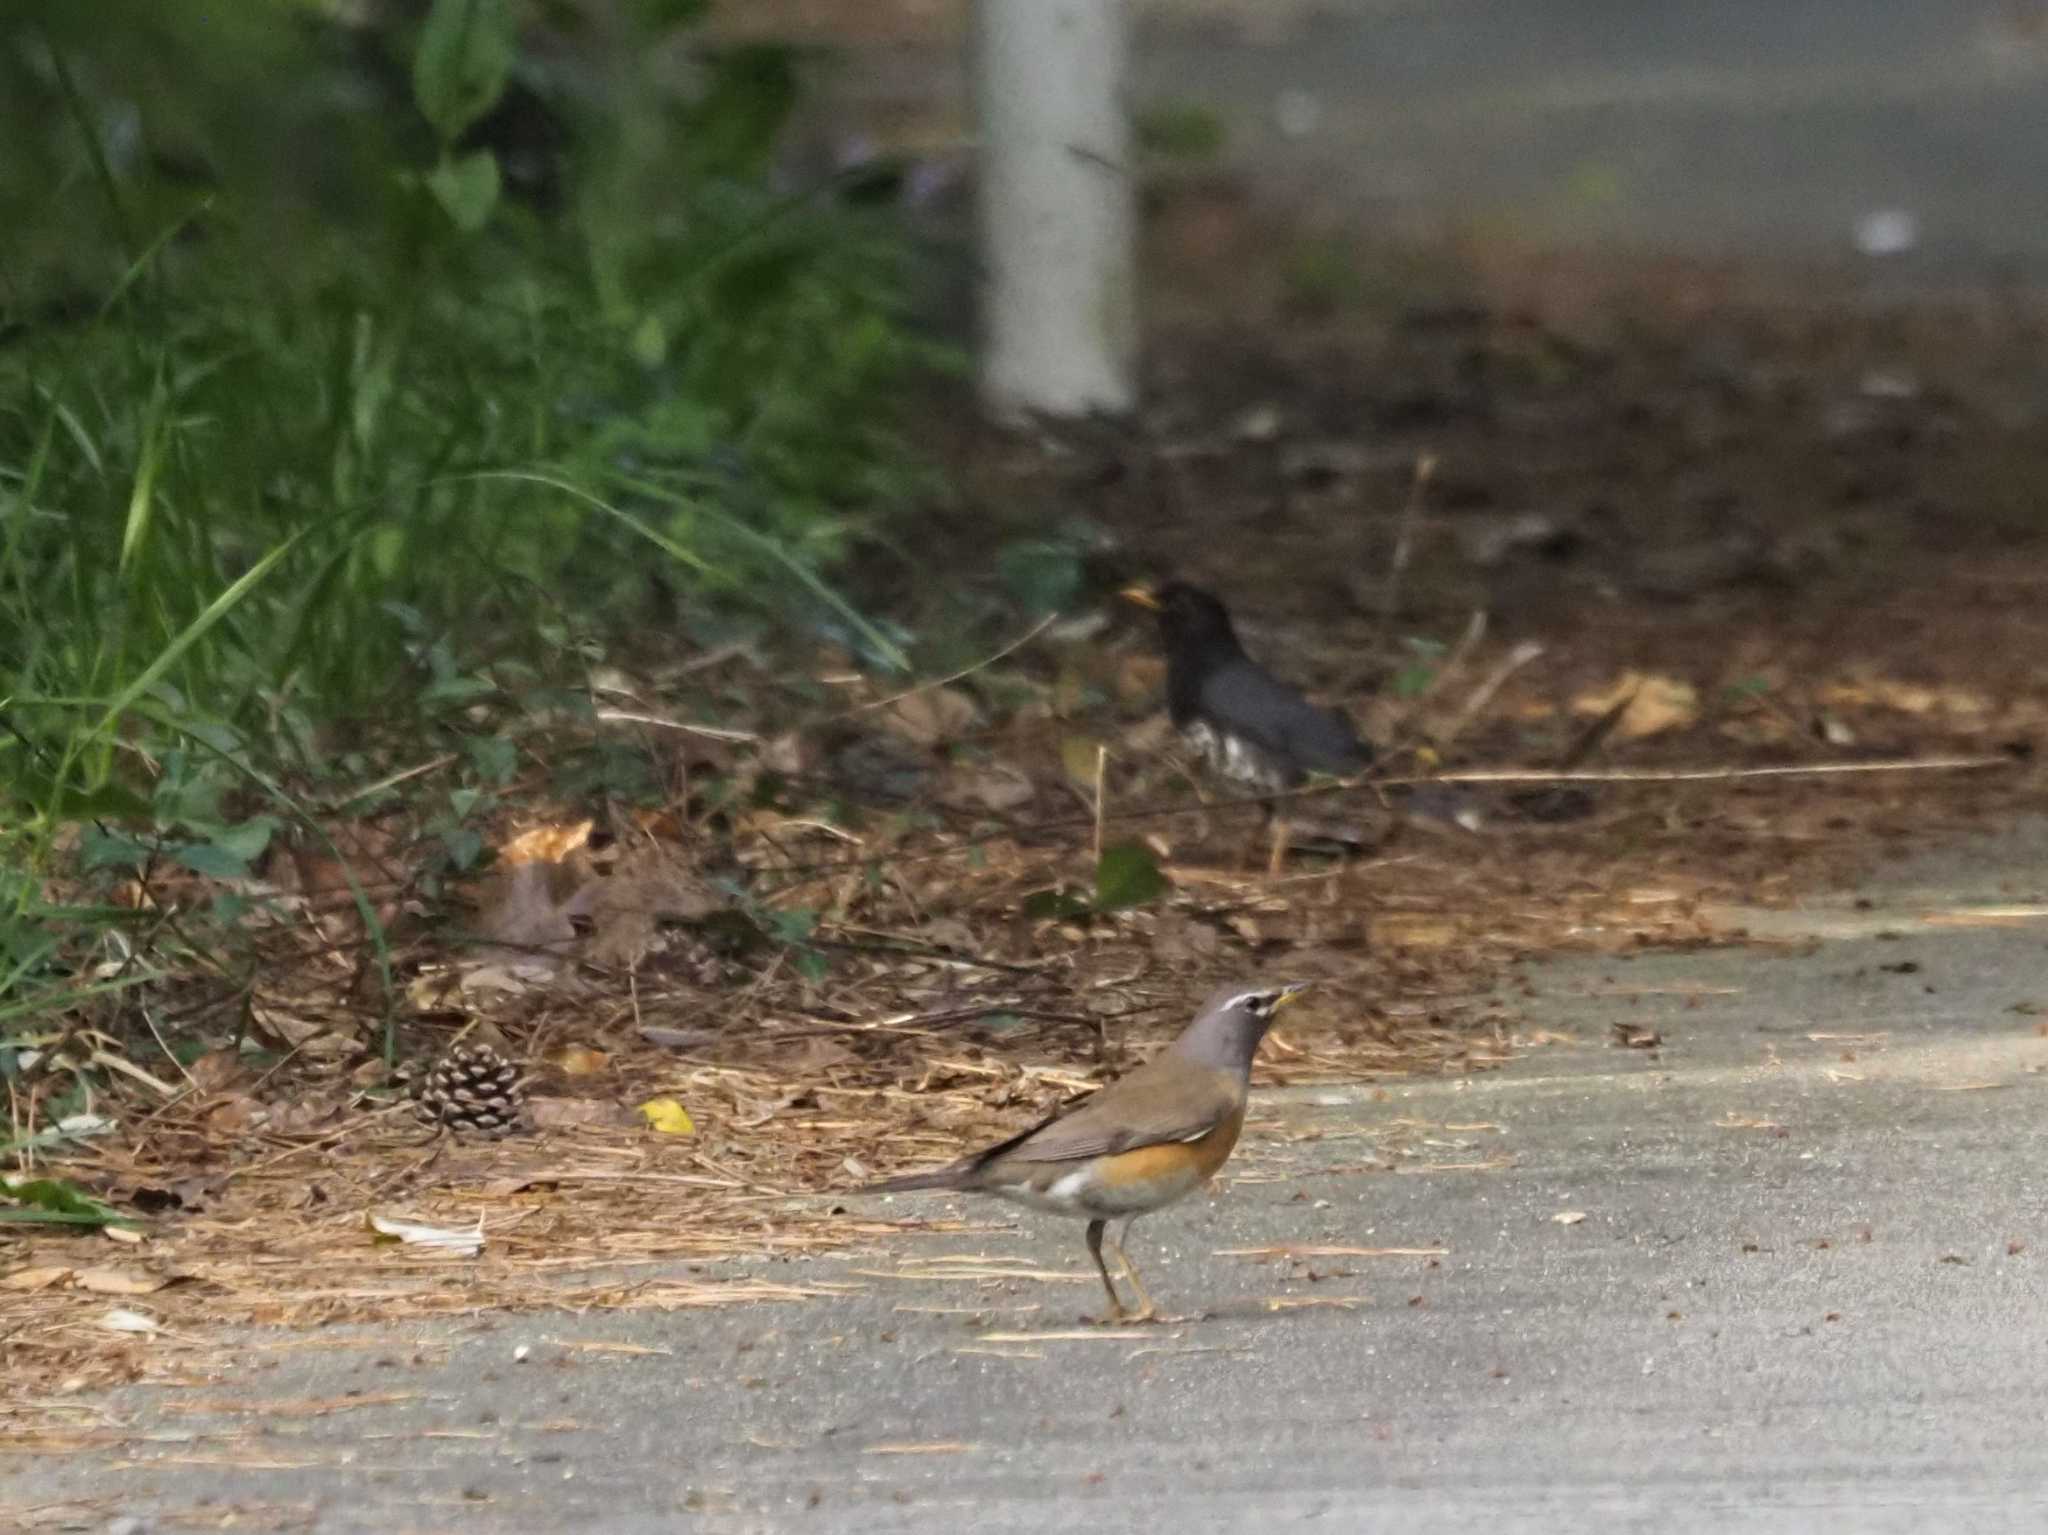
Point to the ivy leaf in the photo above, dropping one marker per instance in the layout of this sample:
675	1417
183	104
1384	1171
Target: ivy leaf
1056	904
229	852
466	187
494	757
210	859
464	847
102	850
1127	875
1043	576
465	57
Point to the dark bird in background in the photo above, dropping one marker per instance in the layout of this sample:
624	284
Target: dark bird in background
1248	725
1139	1144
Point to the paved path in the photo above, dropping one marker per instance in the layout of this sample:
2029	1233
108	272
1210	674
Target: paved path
1807	1292
1741	128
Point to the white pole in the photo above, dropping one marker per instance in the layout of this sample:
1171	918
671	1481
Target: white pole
1057	208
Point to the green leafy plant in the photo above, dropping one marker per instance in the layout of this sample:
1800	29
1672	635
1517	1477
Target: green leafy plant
53	1202
337	420
1126	875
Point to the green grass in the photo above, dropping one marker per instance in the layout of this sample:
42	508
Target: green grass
297	479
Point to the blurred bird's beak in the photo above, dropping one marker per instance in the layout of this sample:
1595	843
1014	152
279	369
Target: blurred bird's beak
1141	595
1289	992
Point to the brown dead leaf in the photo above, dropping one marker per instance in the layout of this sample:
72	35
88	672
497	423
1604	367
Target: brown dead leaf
1140	676
113	1281
994	786
575	1113
653	884
303	1115
217	1070
233	1115
529	905
1403	930
1904	697
436	989
932	716
1177	938
35	1278
284	1024
579	1061
1657	703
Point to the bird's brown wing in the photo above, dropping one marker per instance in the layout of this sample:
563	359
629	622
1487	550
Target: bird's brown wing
1166	1099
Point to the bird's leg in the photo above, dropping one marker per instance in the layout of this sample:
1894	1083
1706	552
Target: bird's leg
1146	1309
1276	855
1116	1304
1263	831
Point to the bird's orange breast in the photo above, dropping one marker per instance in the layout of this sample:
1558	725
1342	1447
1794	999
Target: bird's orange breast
1170	1161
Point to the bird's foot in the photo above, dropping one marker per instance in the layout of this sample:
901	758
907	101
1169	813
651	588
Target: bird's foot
1124	1316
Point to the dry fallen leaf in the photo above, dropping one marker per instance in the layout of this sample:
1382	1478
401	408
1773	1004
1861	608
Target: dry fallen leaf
531	905
217	1070
1401	930
572	1113
668	1117
466	1241
580	1060
1659	703
110	1281
993	786
34	1278
547	844
651	885
1904	697
932	716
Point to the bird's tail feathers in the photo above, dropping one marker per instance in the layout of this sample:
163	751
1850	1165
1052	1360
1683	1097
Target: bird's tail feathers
938	1178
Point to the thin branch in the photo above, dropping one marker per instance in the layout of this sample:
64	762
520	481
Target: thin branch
1404	545
798	873
938	682
1712	775
687	727
1482	695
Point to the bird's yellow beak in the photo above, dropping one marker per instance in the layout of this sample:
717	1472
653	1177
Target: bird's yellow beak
1141	595
1289	992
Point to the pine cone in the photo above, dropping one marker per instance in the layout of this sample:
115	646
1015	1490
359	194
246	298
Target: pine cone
473	1088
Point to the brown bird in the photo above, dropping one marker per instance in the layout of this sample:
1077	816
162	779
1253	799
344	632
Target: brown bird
1139	1144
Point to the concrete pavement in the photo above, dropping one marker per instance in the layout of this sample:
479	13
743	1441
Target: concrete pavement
1784	1271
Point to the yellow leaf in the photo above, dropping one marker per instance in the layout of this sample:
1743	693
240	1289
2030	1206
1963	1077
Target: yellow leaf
668	1116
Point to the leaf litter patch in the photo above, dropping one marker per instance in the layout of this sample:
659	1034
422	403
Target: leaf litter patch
946	910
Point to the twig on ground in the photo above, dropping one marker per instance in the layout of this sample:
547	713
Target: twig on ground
1491	684
687	727
939	682
1404	546
1714	774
